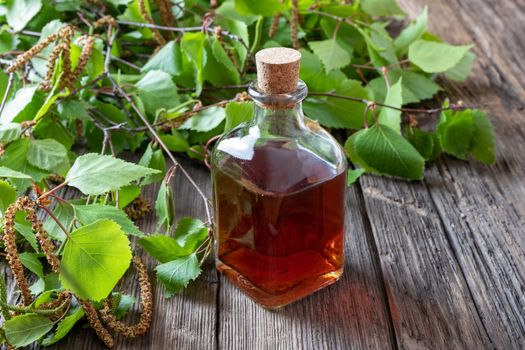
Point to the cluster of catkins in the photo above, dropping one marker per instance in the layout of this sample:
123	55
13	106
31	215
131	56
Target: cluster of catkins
61	304
68	76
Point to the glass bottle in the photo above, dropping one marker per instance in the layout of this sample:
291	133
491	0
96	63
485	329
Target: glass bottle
279	192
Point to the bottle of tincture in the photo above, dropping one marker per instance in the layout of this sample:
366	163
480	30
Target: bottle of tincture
278	191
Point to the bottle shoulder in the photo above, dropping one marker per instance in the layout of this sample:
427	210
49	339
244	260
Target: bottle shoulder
279	163
247	137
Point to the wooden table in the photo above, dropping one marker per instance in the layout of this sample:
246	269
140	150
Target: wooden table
438	264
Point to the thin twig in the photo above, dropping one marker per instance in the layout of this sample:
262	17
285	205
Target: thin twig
33	310
53	190
6	93
215	88
24	32
55	219
129	64
146	122
453	107
160	27
206	149
209	29
89	83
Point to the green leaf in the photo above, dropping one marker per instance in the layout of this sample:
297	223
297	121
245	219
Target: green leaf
96	174
190	233
389	116
8	42
157	91
165	206
15	106
47	154
127	194
20	12
219	68
433	57
239	28
9	132
347	36
132	12
236	113
336	112
176	274
175	141
154	160
227	11
31	262
331	54
413	32
12	174
90	213
482	143
67	5
48	102
25	230
4	78
125	302
381	8
422	141
353	175
192	44
381	46
310	70
65	214
95	258
461	71
260	7
51	128
7	195
312	73
380	149
74	109
15	159
455	133
64	326
168	59
38	287
120	2
416	87
163	248
25	329
205	120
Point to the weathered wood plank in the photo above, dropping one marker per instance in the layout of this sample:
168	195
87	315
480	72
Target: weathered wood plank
482	207
350	314
428	297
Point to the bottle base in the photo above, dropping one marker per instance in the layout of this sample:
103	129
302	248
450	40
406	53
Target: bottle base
276	301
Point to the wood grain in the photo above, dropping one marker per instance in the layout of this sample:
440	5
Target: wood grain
482	208
429	300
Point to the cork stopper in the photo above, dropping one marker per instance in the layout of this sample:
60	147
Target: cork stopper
278	70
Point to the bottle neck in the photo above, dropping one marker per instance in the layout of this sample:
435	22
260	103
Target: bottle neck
278	113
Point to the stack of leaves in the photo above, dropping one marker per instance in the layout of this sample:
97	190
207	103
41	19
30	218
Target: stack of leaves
164	78
93	253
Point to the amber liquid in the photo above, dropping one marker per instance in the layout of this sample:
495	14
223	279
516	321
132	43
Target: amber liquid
279	223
